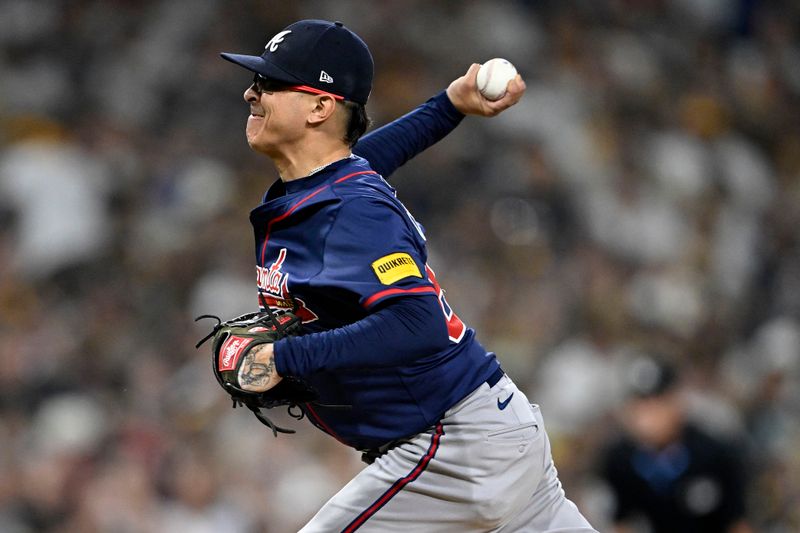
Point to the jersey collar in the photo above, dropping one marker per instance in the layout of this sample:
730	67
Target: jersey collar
313	180
317	176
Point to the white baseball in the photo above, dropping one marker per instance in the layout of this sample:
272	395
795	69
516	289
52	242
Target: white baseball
493	78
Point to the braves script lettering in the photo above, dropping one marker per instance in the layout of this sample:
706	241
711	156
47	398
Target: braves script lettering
273	286
271	279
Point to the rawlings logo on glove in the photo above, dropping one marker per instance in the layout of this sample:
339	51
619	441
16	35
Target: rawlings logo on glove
232	348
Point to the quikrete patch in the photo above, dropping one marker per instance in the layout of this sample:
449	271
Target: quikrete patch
394	267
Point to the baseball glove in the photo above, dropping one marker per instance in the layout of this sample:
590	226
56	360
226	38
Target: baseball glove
233	339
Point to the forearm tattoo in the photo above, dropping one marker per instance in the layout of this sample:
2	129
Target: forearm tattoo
255	373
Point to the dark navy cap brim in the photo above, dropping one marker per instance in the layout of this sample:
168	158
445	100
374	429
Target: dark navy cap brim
258	65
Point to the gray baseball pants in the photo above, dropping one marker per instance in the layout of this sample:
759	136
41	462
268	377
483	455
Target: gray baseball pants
486	466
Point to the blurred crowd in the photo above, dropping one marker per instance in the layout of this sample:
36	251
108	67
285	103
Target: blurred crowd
643	197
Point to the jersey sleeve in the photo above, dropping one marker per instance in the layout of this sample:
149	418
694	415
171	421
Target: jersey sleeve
374	252
391	146
397	333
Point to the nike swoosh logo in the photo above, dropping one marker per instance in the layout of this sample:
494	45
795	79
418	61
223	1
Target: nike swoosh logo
502	405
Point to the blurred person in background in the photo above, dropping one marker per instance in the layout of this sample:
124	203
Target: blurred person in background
666	474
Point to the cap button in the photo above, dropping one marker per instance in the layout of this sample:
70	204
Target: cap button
338	23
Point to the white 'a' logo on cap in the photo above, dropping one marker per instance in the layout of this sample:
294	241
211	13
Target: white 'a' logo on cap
273	43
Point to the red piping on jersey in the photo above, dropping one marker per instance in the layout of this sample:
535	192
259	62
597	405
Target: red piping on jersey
378	295
398	485
301	202
313	414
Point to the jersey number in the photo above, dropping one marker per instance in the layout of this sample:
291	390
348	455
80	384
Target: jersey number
455	327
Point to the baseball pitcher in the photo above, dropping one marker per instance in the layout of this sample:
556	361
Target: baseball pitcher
355	332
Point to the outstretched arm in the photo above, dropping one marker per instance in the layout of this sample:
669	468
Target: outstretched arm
390	146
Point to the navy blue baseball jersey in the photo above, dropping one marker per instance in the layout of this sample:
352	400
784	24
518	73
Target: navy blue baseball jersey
339	248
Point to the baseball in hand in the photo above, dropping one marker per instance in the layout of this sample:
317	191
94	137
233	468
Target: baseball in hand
493	78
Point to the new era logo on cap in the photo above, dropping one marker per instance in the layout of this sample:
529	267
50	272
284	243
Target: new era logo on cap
325	77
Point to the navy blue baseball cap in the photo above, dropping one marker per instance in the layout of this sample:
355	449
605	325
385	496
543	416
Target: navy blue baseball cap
315	54
650	376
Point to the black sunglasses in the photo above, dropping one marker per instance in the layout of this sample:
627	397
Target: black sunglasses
266	85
